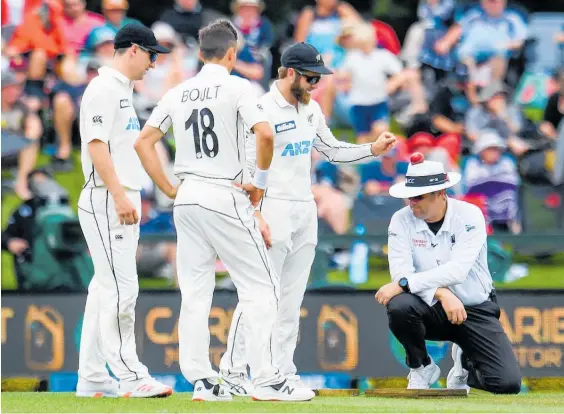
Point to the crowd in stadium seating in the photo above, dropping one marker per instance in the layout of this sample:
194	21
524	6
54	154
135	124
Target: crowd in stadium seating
454	90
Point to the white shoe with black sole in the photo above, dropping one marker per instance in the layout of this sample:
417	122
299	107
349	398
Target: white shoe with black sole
205	390
285	391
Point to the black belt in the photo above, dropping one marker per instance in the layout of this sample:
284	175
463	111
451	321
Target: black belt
493	296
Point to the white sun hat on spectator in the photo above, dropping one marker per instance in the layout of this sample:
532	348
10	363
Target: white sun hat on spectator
103	35
424	177
165	33
238	3
488	139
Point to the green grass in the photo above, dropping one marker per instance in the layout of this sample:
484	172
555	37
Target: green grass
181	402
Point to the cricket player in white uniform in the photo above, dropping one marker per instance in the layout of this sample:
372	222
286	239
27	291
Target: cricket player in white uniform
288	213
214	217
441	286
109	210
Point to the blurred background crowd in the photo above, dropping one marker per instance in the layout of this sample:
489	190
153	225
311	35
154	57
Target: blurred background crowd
477	85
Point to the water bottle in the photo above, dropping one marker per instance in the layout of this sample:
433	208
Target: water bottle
358	268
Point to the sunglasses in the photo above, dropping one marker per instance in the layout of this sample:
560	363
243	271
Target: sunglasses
152	55
417	198
311	79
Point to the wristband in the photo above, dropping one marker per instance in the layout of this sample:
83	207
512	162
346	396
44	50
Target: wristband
260	179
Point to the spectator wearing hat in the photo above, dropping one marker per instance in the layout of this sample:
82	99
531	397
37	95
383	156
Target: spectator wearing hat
441	287
78	22
187	17
21	130
376	177
492	173
257	32
495	113
554	111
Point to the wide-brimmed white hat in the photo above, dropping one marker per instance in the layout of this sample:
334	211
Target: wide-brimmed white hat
424	177
488	139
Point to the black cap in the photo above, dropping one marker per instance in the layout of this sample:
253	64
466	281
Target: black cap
303	56
135	33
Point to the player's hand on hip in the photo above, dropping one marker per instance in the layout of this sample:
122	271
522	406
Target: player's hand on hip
385	142
387	292
264	229
255	194
453	308
171	193
126	211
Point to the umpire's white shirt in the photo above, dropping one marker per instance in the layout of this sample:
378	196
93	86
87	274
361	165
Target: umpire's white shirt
296	132
107	114
456	257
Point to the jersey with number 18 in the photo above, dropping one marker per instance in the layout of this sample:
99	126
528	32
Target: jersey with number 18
208	113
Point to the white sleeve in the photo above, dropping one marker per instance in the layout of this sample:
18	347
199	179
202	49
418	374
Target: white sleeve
400	257
250	149
469	241
338	151
99	115
249	107
161	116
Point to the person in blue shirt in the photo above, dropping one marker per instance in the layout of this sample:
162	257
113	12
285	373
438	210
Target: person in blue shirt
376	177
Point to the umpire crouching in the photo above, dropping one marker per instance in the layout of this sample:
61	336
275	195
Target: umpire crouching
442	289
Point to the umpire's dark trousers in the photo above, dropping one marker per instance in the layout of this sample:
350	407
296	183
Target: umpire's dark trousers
487	353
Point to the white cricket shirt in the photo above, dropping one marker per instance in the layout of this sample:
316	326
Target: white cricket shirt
107	114
295	133
456	257
208	113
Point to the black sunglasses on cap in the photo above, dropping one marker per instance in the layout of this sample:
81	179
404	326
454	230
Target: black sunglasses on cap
311	79
152	55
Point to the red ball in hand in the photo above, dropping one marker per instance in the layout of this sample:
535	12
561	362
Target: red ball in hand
416	158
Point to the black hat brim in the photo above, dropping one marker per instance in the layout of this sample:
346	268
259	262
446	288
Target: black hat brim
158	49
320	69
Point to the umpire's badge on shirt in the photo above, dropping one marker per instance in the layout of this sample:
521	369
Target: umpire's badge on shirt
124	103
285	126
419	242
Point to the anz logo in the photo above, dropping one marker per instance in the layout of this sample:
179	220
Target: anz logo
296	148
133	124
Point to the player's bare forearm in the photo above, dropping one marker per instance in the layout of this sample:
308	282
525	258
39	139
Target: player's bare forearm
145	148
265	144
102	160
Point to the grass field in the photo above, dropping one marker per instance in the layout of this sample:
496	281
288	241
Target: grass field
181	402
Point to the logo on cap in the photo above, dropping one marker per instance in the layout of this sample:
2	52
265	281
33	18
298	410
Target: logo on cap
318	58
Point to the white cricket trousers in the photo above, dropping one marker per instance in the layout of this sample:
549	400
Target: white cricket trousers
109	317
213	220
293	228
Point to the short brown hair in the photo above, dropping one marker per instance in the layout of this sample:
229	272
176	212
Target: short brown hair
282	72
216	38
